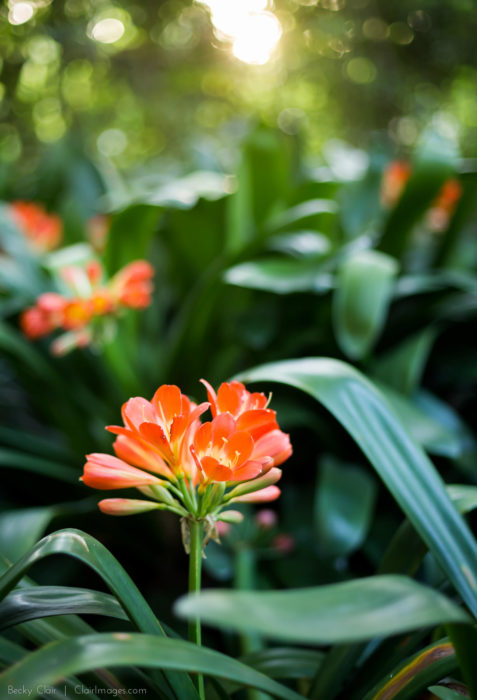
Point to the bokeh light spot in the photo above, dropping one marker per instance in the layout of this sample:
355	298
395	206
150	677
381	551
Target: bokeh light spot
20	12
107	30
361	70
112	142
253	31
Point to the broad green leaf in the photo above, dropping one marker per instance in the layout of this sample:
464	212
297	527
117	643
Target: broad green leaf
238	212
185	192
363	292
402	367
268	158
441	691
413	676
280	276
310	214
89	551
130	234
341	612
405	469
79	254
41	631
49	665
301	244
344	504
43	601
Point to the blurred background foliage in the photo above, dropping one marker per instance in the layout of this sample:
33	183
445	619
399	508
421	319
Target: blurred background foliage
128	83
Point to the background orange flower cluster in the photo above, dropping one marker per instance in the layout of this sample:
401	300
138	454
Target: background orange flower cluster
91	298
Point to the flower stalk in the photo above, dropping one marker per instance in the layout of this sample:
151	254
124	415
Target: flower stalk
196	536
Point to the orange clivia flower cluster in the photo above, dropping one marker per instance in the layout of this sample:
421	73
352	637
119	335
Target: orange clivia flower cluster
187	466
394	180
43	231
90	298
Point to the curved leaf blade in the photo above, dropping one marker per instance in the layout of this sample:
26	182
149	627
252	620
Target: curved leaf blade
49	665
363	292
89	551
44	601
280	276
404	467
412	677
342	612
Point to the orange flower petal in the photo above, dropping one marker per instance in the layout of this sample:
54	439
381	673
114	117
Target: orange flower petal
257	421
229	397
203	437
138	410
155	435
167	402
212	396
238	448
249	470
276	445
223	426
214	470
138	454
113	473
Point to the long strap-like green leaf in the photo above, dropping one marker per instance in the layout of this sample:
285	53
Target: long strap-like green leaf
404	467
88	550
61	659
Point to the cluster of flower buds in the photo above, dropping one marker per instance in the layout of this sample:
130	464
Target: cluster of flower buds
192	468
42	230
89	299
395	178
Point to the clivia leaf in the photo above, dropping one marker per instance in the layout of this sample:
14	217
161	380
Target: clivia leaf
48	665
341	612
344	503
412	677
43	601
445	693
403	466
280	276
363	292
89	551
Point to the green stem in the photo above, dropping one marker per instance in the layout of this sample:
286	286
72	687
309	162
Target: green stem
195	567
244	579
